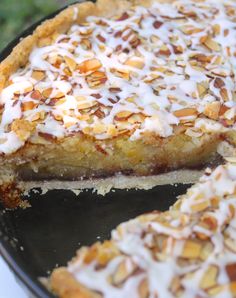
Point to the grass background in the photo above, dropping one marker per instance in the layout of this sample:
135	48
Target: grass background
16	15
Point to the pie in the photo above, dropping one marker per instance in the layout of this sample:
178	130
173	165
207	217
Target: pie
135	88
188	251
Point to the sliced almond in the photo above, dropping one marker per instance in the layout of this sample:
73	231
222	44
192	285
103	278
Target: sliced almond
123	116
135	62
86	44
124	270
96	79
71	63
122	73
224	94
36	94
216	29
210	44
219	83
28	105
38	75
202	89
231	271
143	289
23	128
47	92
186	112
89	65
209	278
86	105
212	110
191	250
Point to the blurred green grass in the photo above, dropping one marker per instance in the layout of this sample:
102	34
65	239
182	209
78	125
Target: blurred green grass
16	15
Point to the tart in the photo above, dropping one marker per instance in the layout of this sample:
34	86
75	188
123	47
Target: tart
188	251
130	87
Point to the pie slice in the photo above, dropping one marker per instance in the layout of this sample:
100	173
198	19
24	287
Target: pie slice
188	251
130	87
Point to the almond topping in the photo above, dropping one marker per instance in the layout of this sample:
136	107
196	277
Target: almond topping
47	92
38	75
123	116
36	95
209	278
89	65
135	62
219	83
191	250
28	105
23	128
231	271
212	110
185	112
210	44
71	63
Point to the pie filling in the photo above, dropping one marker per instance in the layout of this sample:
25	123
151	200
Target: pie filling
149	90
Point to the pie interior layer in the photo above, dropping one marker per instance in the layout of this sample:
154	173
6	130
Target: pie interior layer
128	87
188	251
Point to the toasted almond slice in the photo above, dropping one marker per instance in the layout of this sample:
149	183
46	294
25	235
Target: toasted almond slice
191	250
135	62
86	44
28	105
47	92
186	112
36	94
230	244
219	83
122	73
86	105
216	28
202	89
189	30
123	116
231	271
206	250
124	270
209	278
71	63
96	79
143	289
23	128
224	94
212	110
38	75
215	291
211	44
58	95
89	65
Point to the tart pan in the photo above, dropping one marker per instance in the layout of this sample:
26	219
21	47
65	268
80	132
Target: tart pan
35	240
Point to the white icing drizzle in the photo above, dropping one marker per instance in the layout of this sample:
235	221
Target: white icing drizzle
189	251
152	69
